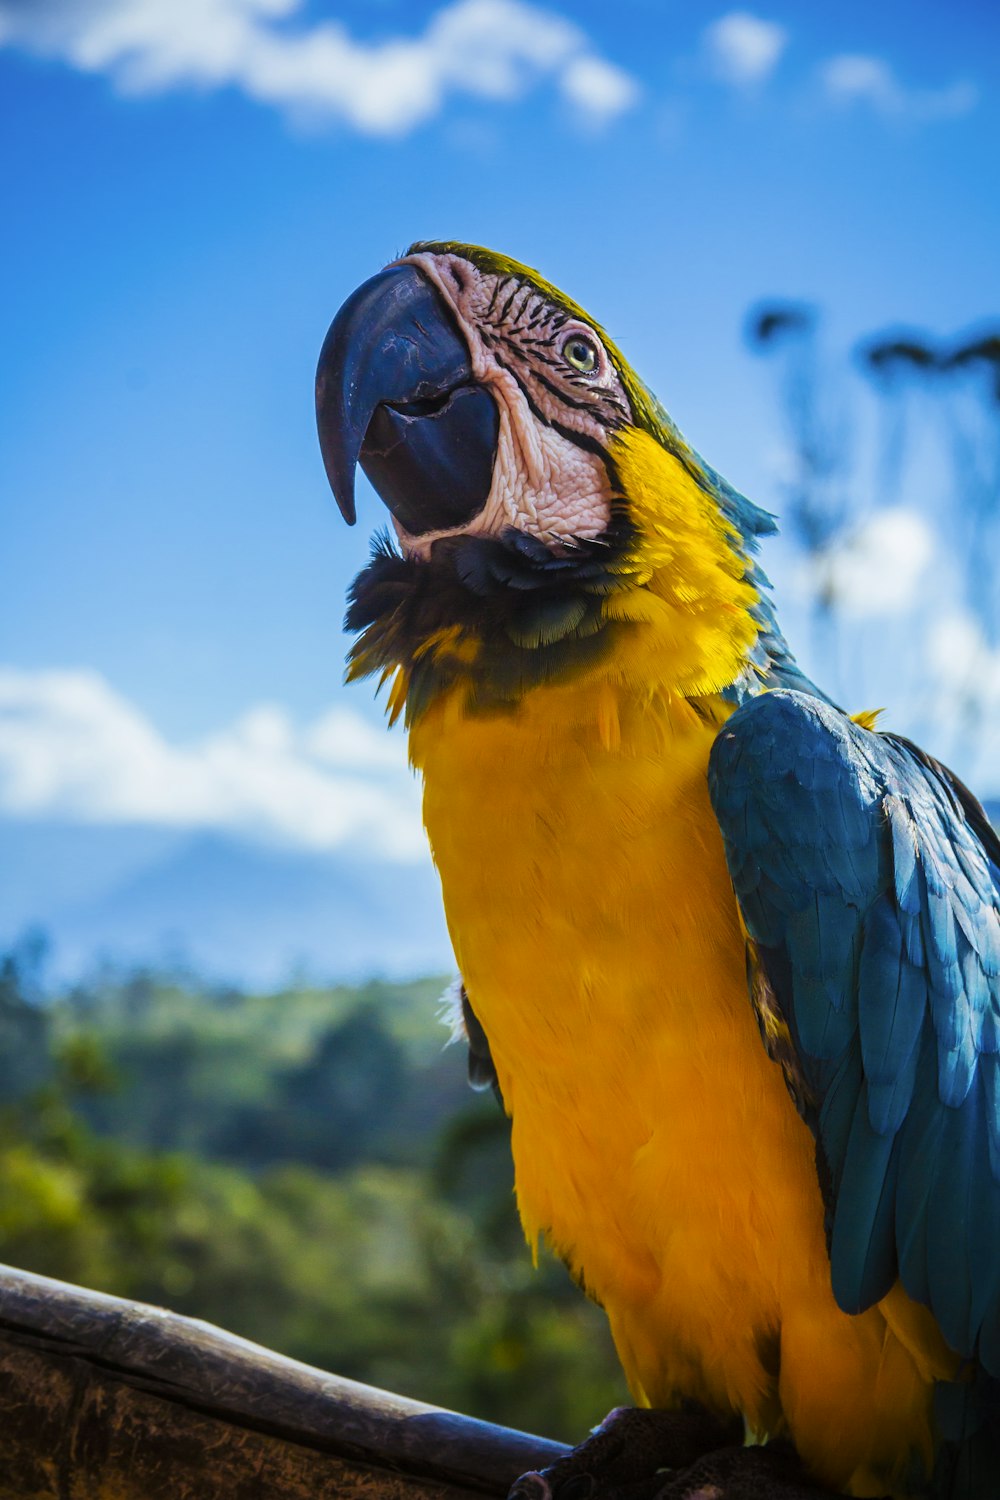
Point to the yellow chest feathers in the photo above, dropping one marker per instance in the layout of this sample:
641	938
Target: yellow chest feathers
655	1145
596	930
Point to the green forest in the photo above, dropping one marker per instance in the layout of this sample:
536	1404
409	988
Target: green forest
307	1168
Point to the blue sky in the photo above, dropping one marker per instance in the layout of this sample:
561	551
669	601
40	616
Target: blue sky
191	189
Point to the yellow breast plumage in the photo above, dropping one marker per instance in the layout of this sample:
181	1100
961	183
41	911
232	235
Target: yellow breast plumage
655	1144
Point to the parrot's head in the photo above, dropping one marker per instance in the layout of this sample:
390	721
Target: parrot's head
550	522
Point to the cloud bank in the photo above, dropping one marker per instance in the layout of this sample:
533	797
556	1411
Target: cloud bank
859	79
743	50
489	49
387	86
73	748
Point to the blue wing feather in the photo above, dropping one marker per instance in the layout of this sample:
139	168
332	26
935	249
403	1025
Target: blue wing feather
862	1247
870	881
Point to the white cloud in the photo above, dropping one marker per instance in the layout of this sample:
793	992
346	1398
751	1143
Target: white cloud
744	49
963	671
71	747
597	89
958	649
493	49
877	570
857	78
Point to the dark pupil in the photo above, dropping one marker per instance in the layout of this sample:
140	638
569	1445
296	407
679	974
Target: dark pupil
579	351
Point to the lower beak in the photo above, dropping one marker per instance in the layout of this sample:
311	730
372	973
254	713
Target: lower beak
395	389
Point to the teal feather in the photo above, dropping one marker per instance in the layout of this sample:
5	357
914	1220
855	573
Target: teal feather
862	1249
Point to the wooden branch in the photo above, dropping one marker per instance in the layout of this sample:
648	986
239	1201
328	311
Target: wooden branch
104	1399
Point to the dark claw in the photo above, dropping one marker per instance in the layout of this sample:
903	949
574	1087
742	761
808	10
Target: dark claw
535	1486
682	1455
530	1486
623	1457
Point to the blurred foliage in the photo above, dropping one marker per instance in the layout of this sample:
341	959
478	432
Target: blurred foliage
922	380
307	1169
816	500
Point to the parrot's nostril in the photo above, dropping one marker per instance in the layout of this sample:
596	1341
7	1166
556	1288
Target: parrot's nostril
427	408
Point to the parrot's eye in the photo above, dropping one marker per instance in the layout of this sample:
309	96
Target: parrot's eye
581	353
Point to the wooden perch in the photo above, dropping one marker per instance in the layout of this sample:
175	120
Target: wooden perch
104	1399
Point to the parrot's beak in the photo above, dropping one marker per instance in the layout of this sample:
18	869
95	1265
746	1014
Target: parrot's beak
394	387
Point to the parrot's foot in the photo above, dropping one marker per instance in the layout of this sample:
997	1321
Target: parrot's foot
624	1454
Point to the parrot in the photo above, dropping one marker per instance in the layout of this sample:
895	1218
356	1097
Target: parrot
729	954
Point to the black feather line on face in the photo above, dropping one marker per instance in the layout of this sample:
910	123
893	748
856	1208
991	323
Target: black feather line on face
581	439
534	614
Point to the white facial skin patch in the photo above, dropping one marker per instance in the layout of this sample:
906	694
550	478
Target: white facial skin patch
557	393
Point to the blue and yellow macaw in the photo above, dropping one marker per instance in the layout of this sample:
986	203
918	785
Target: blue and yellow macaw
733	955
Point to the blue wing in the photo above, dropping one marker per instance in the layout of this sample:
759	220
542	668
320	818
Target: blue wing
869	881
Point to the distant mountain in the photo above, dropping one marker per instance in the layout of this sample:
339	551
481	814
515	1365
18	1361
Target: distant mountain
234	909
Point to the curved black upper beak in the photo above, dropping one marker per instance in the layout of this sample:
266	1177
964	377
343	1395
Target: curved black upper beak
394	388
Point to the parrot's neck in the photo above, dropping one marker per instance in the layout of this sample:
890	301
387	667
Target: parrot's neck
669	600
695	531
